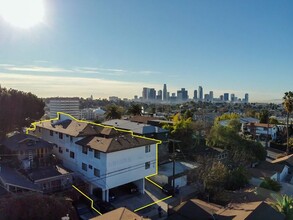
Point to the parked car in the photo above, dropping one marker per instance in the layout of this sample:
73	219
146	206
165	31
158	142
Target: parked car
168	190
103	207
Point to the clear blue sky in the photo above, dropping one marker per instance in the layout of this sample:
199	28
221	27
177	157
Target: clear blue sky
115	47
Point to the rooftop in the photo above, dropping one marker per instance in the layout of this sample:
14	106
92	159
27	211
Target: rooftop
120	142
19	141
137	128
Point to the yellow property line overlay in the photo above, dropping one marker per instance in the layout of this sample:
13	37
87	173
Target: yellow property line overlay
34	126
92	201
152	203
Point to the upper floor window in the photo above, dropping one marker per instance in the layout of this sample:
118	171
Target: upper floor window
60	136
84	149
97	154
51	133
147	148
97	172
147	165
71	154
60	150
71	138
84	166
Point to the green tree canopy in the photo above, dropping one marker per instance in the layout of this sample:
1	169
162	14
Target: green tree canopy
181	130
227	116
288	106
135	109
240	149
113	112
270	184
18	109
264	116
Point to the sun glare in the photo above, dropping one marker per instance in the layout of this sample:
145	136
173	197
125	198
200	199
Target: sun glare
22	13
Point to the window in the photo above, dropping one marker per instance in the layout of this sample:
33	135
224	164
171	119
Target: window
67	135
90	166
97	172
84	149
67	150
97	154
147	148
71	139
51	133
84	166
60	150
147	165
90	149
60	136
71	154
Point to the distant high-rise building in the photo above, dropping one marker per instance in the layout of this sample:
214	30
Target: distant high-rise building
246	97
232	97
160	95
200	91
168	95
207	97
165	93
226	97
152	94
145	92
221	97
148	93
66	105
182	95
135	97
211	98
195	94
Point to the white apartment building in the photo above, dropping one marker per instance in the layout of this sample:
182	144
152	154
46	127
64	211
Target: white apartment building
66	105
102	156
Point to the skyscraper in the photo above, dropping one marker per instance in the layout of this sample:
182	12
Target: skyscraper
195	94
226	97
165	92
160	95
233	97
246	97
200	91
211	98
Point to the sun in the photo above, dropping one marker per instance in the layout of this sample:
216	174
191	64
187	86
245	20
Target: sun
22	13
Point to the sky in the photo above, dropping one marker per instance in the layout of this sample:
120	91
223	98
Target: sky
116	47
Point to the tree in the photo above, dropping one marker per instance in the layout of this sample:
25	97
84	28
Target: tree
181	130
18	109
285	206
270	184
273	121
134	109
227	116
237	178
235	125
241	151
288	106
215	178
113	112
264	116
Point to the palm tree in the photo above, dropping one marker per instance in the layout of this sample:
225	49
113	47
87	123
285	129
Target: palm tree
288	105
113	112
285	206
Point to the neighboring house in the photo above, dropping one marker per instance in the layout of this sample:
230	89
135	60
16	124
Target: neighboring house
211	152
29	150
243	121
288	161
196	209
249	211
120	214
165	174
277	172
36	171
147	131
92	114
102	156
261	130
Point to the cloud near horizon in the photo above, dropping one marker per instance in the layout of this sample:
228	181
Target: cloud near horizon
48	86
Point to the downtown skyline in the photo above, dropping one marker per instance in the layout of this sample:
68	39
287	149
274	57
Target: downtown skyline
112	48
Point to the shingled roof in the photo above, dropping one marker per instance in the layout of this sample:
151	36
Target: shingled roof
70	127
21	141
119	142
